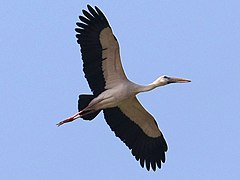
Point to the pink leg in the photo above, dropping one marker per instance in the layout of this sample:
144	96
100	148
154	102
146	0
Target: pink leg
70	119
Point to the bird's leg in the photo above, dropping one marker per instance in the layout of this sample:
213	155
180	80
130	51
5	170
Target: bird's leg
70	119
76	116
87	110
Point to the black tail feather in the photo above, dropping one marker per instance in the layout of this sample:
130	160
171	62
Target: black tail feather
83	101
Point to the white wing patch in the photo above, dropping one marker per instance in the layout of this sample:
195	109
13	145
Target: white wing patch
111	65
136	112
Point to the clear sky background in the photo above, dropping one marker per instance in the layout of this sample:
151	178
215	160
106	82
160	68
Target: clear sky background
41	77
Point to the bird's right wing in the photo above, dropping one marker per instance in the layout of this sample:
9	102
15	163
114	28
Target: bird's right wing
139	131
100	51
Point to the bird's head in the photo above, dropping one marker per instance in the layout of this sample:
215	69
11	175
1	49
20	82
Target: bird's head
164	80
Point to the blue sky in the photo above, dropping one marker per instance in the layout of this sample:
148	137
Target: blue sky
41	78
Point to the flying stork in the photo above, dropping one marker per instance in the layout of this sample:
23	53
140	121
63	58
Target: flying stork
114	93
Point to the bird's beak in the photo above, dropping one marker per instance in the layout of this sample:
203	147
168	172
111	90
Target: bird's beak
178	80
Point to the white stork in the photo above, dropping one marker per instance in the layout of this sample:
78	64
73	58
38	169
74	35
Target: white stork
114	93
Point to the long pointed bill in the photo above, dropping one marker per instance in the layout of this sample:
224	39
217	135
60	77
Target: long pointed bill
178	80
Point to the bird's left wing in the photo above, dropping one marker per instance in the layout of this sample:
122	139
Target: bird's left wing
139	131
100	51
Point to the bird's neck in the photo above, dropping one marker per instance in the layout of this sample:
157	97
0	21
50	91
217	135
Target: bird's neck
149	87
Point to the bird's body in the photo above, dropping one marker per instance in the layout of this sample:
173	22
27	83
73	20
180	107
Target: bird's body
115	94
112	97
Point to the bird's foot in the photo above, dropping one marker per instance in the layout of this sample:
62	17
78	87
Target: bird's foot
69	119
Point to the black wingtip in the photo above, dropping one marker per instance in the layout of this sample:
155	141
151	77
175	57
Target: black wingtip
149	151
89	6
142	162
159	164
153	164
98	10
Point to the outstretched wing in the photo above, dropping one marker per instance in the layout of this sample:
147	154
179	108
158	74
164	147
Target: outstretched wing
100	51
103	70
139	131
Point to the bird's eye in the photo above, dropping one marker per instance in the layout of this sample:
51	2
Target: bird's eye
165	77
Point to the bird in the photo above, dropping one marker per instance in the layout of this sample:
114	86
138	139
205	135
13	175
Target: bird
114	94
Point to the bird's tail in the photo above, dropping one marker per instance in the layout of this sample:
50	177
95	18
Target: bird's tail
83	101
